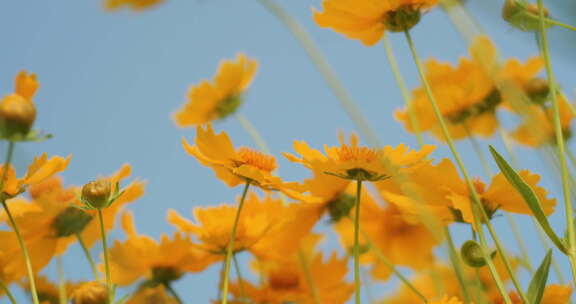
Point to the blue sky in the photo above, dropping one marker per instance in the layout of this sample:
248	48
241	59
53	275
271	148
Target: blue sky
110	81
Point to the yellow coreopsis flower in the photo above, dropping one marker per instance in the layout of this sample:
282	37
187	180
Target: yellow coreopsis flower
553	294
135	5
162	262
353	162
90	293
40	169
152	295
212	101
268	227
48	291
367	20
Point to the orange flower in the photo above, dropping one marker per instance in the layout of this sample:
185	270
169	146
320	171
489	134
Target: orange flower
285	280
135	5
367	20
358	163
212	101
48	291
553	294
268	227
159	263
40	169
446	300
49	223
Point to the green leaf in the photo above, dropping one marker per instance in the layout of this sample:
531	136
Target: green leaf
529	197
538	282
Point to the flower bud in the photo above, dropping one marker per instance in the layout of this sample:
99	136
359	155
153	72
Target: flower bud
472	254
522	16
17	115
97	193
90	293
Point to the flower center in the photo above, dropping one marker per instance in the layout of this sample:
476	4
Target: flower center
165	274
247	156
346	153
285	281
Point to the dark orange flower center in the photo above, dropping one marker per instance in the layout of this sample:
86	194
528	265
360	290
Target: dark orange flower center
346	153
247	156
284	281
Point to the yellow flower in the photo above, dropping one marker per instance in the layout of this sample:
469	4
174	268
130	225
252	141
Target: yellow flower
135	5
152	295
446	300
268	227
553	294
358	163
48	291
284	281
403	243
159	262
49	223
212	101
40	169
90	293
367	20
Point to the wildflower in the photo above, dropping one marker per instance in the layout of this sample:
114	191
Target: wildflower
213	101
97	193
235	166
158	262
17	111
90	293
403	243
267	228
553	294
135	5
367	20
152	295
48	291
358	163
285	280
40	169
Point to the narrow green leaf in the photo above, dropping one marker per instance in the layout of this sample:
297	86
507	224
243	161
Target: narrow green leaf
538	282
530	198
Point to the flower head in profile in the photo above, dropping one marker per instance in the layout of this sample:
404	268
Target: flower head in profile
209	101
48	292
367	20
17	110
135	5
152	295
40	169
157	262
354	162
90	293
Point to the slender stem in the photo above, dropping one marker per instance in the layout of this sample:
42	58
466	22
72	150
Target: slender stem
240	279
309	46
481	155
368	286
456	263
552	22
88	256
403	89
173	292
7	291
26	255
230	248
475	199
106	261
62	296
357	280
559	140
544	240
249	127
309	277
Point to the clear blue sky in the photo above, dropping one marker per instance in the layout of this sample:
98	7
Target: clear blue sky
110	81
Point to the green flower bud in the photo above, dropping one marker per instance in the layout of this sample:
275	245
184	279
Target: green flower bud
17	115
97	193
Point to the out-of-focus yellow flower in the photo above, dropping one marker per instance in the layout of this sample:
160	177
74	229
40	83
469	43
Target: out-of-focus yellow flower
49	223
48	291
443	191
17	110
135	5
402	243
212	101
285	281
159	262
268	228
90	293
152	295
553	294
358	163
40	169
446	300
367	20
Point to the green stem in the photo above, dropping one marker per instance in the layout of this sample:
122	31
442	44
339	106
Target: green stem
7	291
29	269
368	287
559	140
403	89
357	280
309	46
456	263
62	296
240	279
230	248
173	292
106	261
309	277
88	256
552	22
475	198
249	127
